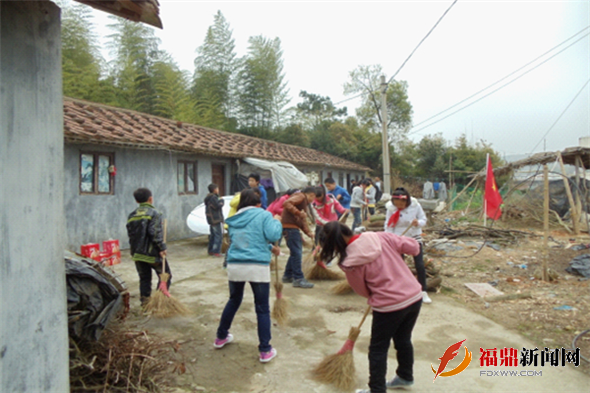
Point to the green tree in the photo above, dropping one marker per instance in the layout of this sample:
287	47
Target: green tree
293	134
472	158
135	48
366	80
214	81
315	109
172	95
81	60
263	92
431	155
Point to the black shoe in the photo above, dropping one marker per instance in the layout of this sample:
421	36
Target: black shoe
287	280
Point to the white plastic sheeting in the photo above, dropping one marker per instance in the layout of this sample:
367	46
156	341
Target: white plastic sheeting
284	174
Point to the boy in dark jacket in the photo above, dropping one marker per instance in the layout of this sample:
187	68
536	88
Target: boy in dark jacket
294	218
146	239
213	205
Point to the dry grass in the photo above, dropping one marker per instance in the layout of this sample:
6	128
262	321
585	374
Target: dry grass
124	361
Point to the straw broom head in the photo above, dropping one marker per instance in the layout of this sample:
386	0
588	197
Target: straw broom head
163	306
342	288
319	271
338	369
280	307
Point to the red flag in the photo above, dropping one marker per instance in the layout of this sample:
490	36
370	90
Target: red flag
492	196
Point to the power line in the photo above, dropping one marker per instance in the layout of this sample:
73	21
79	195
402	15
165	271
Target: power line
562	113
499	88
423	39
500	80
408	58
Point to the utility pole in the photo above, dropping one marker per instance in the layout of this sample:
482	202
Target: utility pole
386	163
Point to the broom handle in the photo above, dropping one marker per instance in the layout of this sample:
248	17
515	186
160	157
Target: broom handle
277	264
164	258
364	317
406	231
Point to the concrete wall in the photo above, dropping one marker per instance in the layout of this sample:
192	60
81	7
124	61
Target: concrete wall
94	218
33	316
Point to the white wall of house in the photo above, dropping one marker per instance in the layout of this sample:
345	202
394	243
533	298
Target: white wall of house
33	315
93	218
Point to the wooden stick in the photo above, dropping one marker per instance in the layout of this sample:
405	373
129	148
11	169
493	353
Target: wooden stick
545	221
365	316
164	258
462	191
570	197
470	199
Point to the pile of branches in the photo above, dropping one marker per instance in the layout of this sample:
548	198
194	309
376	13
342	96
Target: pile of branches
123	361
497	234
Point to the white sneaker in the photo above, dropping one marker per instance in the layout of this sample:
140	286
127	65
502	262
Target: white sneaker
425	298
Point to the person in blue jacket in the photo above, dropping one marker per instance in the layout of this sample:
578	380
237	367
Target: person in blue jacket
252	232
254	182
339	193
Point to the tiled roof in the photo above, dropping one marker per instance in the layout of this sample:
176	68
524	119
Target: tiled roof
87	122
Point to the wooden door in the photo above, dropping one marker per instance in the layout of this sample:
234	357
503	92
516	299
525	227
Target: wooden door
218	177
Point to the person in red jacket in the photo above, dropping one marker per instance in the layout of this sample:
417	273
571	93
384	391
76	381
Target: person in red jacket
375	270
326	207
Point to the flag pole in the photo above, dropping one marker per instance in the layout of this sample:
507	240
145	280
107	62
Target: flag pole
485	202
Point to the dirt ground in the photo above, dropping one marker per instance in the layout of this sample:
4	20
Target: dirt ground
320	321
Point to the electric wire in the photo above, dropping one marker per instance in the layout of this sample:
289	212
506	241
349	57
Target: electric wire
507	76
562	113
408	58
499	88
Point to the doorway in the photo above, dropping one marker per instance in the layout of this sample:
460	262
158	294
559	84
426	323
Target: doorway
218	177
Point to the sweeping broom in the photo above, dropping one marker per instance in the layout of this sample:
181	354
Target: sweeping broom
338	369
344	288
319	270
279	309
162	304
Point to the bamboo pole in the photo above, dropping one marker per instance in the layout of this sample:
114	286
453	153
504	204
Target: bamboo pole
462	191
570	198
470	199
544	275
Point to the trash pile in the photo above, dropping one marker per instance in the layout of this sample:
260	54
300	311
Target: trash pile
96	296
124	361
104	354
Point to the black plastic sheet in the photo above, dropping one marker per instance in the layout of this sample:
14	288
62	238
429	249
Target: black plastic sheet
94	297
580	265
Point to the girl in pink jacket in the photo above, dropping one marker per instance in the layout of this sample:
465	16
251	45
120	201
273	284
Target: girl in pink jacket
375	270
325	207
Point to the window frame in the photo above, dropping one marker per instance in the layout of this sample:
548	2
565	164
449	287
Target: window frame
195	180
95	172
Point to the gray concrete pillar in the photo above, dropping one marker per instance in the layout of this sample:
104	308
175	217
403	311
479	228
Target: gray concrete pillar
33	316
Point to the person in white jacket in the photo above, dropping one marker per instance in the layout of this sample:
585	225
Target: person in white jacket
403	211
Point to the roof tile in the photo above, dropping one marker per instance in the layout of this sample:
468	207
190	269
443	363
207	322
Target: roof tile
87	122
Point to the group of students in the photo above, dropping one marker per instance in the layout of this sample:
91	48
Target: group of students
372	262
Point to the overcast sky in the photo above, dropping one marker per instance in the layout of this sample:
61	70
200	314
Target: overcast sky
475	45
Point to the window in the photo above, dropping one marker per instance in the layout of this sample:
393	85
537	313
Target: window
341	180
187	177
95	173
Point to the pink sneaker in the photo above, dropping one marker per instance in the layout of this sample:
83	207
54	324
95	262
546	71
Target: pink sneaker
221	343
266	357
